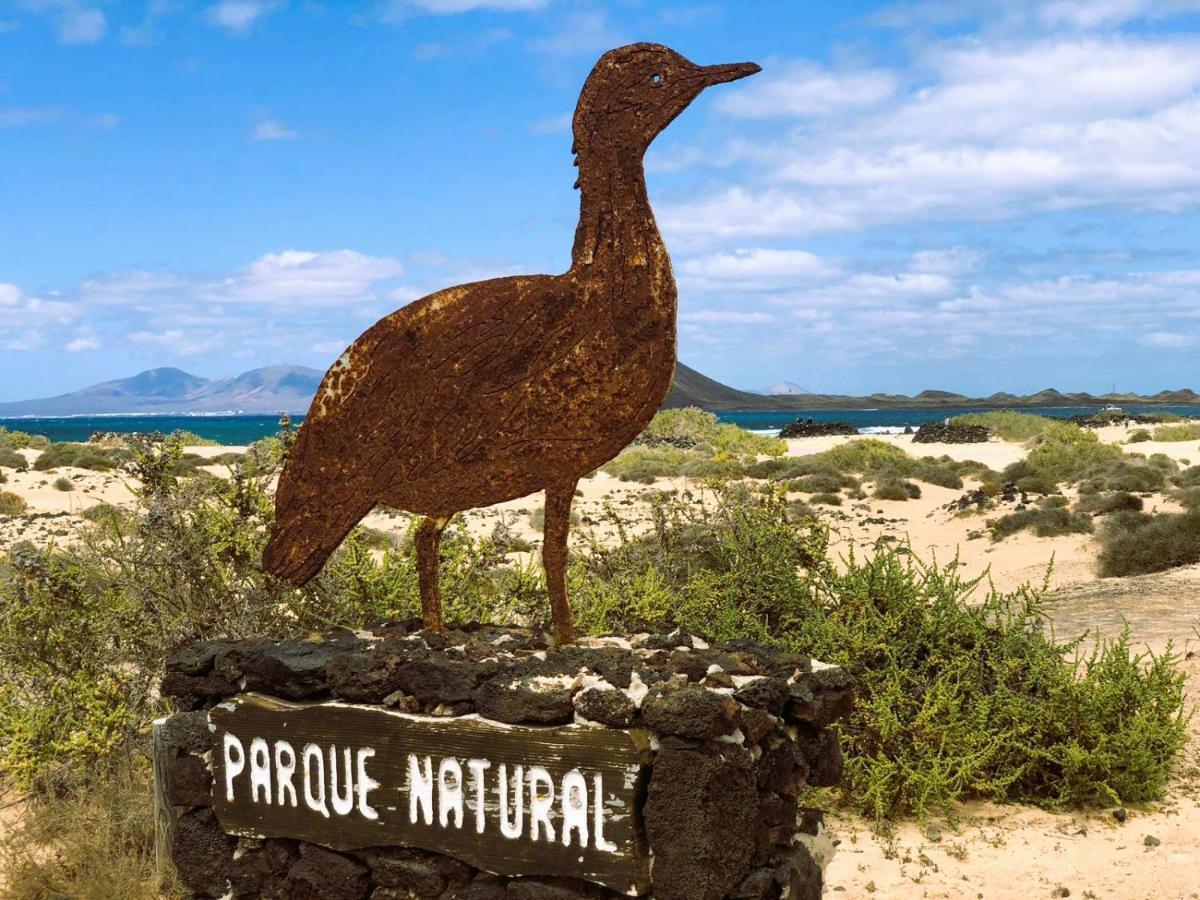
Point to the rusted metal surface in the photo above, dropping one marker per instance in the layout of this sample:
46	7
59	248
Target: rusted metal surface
489	391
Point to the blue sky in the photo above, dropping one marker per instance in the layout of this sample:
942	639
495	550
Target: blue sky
904	198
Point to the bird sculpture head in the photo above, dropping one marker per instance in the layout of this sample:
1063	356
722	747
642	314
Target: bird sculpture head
636	91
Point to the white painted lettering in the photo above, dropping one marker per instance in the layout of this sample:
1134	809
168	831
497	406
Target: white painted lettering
541	799
235	763
574	807
512	829
260	770
284	770
598	815
314	764
343	804
478	767
420	789
450	792
364	784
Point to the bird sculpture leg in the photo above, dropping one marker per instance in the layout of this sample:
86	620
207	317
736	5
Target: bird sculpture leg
554	558
428	540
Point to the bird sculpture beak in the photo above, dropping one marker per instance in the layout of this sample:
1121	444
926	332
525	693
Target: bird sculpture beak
728	72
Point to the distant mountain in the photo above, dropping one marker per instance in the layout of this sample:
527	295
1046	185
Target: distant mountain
275	389
269	390
693	389
784	388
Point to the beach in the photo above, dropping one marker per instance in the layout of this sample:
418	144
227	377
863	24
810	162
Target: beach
985	850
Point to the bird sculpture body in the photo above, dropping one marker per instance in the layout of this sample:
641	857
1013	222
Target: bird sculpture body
490	391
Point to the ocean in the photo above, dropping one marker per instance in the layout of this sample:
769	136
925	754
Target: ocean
245	429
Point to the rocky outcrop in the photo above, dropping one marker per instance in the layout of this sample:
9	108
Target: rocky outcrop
808	428
737	731
950	433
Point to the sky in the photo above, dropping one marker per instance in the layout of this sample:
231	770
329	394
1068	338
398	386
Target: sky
909	196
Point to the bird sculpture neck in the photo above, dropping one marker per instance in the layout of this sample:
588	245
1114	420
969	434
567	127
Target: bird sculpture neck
616	225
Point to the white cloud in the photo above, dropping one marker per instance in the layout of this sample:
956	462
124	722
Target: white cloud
238	16
296	275
81	343
272	130
725	316
449	7
80	25
552	124
580	33
999	129
805	89
11	117
752	269
1168	340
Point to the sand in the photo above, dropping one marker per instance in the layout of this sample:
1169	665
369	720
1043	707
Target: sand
993	851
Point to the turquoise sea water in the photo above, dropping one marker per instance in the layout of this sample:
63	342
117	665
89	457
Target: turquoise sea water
246	429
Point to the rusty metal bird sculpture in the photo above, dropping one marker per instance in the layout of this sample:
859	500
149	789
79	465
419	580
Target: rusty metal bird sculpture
493	390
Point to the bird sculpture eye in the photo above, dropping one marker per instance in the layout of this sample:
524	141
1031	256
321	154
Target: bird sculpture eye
656	78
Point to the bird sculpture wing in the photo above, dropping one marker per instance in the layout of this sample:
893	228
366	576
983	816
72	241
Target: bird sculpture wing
428	384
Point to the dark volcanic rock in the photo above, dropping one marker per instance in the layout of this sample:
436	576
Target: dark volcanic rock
769	693
689	712
823	753
821	697
607	706
700	815
321	874
202	853
189	783
941	433
292	669
437	680
801	428
524	700
261	870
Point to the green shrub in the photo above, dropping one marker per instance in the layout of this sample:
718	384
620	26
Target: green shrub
962	699
694	444
1036	484
1065	453
1102	504
79	456
1011	426
1189	498
942	474
11	459
822	483
690	428
1131	474
1188	432
1188	477
826	499
646	464
864	455
895	489
62	483
20	440
191	439
1137	543
12	504
1044	521
1138	436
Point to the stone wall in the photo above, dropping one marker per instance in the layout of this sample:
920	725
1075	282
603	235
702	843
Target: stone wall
736	731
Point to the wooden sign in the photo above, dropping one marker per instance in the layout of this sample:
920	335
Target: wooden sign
509	799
